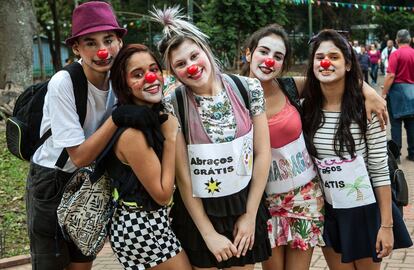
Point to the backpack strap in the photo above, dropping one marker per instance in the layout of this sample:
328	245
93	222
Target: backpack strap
80	90
288	86
239	85
179	102
179	99
99	164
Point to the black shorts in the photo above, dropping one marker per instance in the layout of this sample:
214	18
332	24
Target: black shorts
48	248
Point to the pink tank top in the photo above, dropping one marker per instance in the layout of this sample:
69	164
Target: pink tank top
285	126
198	134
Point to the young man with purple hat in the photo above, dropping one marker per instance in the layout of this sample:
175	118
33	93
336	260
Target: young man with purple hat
96	40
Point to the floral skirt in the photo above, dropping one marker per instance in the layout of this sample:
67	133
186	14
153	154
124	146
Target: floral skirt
297	217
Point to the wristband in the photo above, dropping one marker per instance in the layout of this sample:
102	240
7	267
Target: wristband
387	226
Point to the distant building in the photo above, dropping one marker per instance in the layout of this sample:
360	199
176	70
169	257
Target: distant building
369	32
47	57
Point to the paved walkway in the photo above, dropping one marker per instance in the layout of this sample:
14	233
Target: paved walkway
399	259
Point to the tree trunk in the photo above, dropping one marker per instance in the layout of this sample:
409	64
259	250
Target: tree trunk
16	43
40	54
57	61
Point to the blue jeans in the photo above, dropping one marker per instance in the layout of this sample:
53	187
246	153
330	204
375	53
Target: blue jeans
396	131
374	72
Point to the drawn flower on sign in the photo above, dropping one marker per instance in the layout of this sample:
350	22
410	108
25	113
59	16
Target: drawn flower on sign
212	186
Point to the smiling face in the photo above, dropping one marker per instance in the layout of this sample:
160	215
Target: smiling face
88	46
327	74
191	65
269	48
144	79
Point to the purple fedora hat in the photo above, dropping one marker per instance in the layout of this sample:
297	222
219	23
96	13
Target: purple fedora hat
92	17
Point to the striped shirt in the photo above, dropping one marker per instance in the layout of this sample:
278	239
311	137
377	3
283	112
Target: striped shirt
376	158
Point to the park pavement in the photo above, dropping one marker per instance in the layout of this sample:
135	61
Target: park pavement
398	260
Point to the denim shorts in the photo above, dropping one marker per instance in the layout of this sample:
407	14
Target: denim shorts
49	250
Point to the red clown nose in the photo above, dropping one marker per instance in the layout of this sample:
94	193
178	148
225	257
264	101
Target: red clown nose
269	62
150	77
102	54
192	70
325	63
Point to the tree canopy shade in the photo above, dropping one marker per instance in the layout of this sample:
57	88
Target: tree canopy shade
391	22
230	22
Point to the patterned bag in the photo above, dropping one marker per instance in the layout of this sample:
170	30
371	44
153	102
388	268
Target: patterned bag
85	210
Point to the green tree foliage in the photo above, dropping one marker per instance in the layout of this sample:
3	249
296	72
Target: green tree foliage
391	22
230	22
54	17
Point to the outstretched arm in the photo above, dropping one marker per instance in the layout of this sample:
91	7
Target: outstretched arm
374	103
84	154
300	84
388	81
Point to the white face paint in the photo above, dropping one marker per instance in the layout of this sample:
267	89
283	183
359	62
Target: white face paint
271	47
186	55
87	46
140	64
336	71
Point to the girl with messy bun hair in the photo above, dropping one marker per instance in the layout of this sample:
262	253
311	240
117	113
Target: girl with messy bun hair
218	214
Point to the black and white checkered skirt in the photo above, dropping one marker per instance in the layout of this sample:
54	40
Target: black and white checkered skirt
142	239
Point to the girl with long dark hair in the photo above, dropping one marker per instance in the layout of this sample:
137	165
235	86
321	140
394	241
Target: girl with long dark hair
362	225
294	196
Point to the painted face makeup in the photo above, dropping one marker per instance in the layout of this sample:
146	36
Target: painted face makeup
329	63
192	70
144	78
325	63
98	50
269	62
191	65
267	59
150	77
102	54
